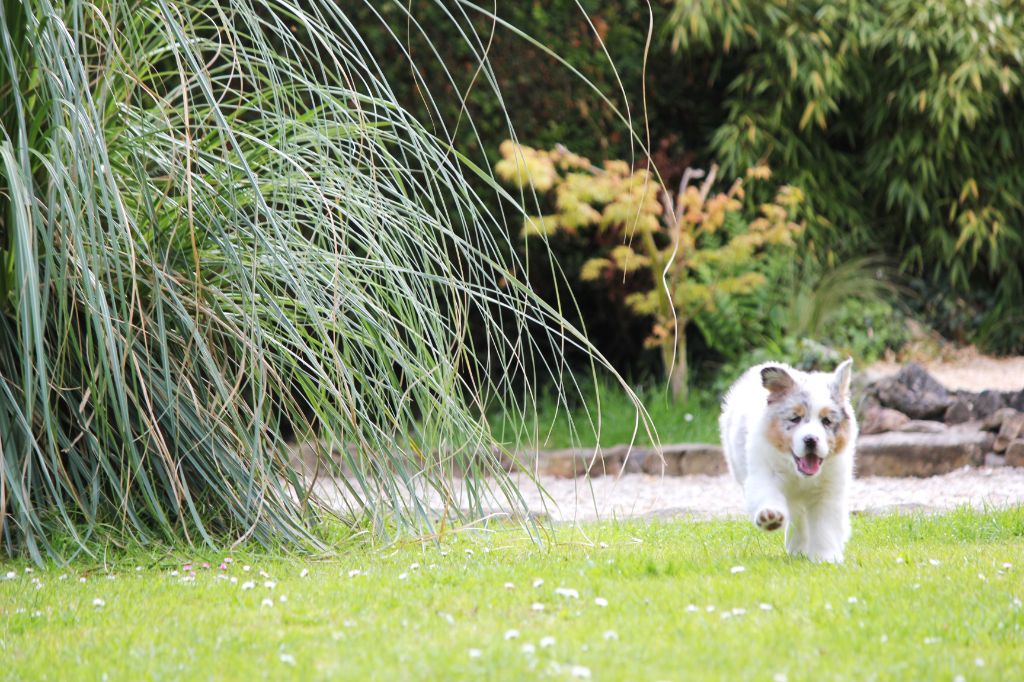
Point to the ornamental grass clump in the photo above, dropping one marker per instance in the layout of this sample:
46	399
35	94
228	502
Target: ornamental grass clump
217	227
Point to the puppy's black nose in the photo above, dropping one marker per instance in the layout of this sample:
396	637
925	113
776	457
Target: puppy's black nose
810	442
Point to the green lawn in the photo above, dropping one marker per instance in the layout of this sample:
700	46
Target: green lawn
695	421
920	598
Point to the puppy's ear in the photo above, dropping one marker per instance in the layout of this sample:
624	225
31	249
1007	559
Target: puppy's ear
841	379
778	382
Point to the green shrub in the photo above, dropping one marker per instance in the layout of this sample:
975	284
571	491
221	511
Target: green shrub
899	119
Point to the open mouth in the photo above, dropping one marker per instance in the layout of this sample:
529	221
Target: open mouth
808	465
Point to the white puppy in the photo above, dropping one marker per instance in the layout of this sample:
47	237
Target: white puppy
789	440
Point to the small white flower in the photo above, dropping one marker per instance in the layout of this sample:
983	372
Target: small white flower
468	551
304	573
709	608
610	635
692	608
248	585
403	576
11	575
688	417
931	640
828	606
448	617
883	639
537	582
764	607
37	614
29	569
981	577
1007	565
600	601
899	560
287	659
979	662
511	634
111	576
269	584
603	545
537	606
509	586
475	653
234	580
567	592
246	568
546	642
63	576
138	569
354	572
82	579
725	615
738	611
934	562
737	569
414	566
527	648
580	671
267	602
283	598
174	574
264	574
852	600
98	602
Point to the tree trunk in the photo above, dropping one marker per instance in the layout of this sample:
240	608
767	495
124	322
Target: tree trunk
675	373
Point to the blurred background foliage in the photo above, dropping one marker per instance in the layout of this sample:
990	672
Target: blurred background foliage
896	119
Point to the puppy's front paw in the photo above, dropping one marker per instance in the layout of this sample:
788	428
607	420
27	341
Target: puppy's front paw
769	519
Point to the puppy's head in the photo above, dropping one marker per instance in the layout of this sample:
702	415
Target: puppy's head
809	415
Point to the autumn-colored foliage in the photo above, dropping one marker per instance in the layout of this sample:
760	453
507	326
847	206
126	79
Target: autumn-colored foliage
698	244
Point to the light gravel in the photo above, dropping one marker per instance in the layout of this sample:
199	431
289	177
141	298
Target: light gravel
709	497
638	495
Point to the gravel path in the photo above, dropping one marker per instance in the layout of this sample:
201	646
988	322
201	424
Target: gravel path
638	495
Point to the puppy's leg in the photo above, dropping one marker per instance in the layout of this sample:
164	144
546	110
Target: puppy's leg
765	503
828	530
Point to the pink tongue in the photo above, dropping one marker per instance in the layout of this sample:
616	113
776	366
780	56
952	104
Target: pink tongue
809	464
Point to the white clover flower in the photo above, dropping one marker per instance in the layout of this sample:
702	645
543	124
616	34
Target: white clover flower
546	642
511	634
567	592
600	601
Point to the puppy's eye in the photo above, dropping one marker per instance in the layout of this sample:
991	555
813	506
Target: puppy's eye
826	422
795	419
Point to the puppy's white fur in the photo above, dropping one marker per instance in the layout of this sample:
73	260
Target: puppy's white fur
794	472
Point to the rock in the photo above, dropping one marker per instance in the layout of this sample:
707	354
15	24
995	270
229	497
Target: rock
882	419
1015	453
922	426
573	462
986	403
1015	400
993	460
959	412
995	420
685	460
914	392
921	454
1011	428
